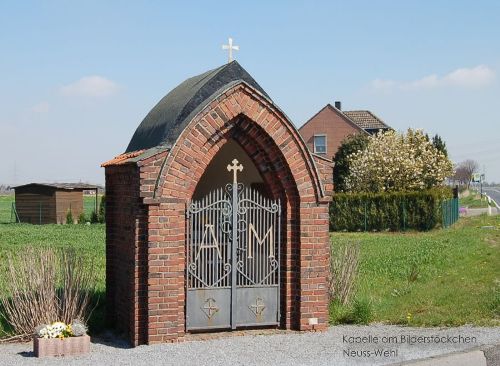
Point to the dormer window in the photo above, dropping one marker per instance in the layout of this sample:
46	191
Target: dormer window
320	144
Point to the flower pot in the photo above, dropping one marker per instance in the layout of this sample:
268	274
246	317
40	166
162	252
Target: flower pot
46	347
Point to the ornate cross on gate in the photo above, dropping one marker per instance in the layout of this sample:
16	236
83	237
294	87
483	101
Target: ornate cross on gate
230	48
209	308
258	308
235	168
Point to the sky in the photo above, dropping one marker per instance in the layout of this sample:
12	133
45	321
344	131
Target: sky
77	78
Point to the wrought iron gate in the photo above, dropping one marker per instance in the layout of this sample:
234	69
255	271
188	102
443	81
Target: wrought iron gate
233	258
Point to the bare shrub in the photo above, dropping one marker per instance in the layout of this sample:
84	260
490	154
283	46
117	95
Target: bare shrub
344	262
44	285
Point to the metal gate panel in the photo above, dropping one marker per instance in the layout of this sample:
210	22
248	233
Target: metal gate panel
233	251
208	273
257	306
209	308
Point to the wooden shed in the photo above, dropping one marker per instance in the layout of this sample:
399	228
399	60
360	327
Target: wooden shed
49	203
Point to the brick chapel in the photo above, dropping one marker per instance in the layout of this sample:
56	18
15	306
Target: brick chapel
217	216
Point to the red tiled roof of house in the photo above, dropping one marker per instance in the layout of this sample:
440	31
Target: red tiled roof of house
366	120
122	159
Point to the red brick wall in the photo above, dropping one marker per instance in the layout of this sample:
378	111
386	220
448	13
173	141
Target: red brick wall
330	123
325	169
167	183
122	198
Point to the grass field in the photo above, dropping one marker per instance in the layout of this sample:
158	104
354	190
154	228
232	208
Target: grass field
5	208
457	270
457	274
473	200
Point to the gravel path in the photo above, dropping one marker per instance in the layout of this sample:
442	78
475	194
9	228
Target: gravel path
287	348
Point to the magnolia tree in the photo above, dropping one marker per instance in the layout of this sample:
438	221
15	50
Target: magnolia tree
398	162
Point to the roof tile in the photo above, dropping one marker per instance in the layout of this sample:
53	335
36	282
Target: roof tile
366	120
122	158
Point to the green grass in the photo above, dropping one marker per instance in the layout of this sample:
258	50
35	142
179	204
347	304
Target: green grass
473	201
456	275
6	205
456	272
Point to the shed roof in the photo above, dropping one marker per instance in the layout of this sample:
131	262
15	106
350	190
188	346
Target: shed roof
66	186
366	120
166	121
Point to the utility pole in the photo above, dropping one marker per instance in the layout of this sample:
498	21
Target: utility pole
481	179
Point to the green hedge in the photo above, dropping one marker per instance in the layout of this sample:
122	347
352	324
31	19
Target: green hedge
396	211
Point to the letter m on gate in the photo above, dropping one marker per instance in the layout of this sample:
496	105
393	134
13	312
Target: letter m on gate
253	234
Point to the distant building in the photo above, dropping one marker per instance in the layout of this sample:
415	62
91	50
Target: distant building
325	131
49	203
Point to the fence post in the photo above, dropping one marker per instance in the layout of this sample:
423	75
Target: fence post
443	213
40	212
450	207
404	216
448	221
16	215
365	216
449	213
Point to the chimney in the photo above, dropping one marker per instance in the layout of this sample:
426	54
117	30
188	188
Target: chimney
338	105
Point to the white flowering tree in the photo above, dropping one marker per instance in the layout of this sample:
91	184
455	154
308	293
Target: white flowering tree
398	162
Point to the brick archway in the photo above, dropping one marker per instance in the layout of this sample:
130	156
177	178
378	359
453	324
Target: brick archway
167	181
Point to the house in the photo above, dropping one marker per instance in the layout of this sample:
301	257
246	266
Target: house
49	203
325	131
367	121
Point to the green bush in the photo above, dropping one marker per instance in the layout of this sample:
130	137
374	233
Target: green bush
69	217
350	145
395	211
360	312
82	219
94	218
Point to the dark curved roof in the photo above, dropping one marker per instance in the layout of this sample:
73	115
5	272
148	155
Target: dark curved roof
166	121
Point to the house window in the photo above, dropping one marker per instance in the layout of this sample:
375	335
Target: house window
320	144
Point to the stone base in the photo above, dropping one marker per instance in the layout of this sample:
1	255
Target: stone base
49	347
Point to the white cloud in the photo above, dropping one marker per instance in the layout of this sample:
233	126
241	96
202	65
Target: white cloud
474	77
41	108
91	86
